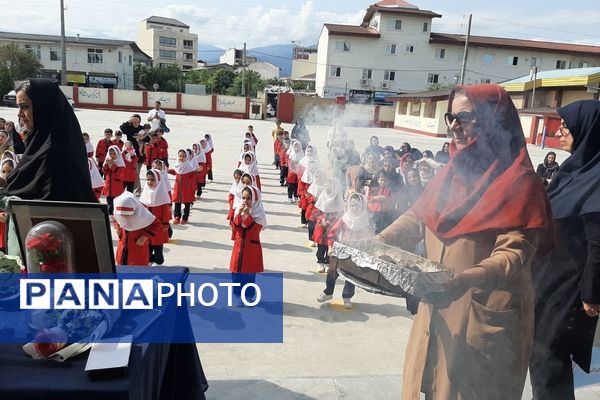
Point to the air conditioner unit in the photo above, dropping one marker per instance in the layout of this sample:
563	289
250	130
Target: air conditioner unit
385	85
364	82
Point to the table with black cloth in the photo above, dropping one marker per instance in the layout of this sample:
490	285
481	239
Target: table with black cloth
155	371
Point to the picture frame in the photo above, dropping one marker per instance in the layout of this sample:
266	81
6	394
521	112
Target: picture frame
88	223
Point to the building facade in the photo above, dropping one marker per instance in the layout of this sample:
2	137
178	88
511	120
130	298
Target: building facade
304	63
235	58
168	41
394	51
90	62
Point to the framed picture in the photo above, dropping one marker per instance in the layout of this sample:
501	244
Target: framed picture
88	223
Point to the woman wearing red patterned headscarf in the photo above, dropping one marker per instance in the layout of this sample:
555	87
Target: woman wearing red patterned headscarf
481	216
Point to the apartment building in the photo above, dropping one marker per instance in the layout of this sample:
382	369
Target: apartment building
168	41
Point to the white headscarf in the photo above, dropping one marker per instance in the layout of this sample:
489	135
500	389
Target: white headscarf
318	183
251	138
310	169
236	185
357	221
157	196
89	147
165	174
332	201
250	148
130	214
295	154
252	168
97	180
14	165
186	166
10	155
209	143
126	151
238	193
199	153
305	160
257	211
119	162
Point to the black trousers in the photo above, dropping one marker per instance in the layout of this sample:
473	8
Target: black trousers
111	204
243	279
129	186
198	189
551	373
303	217
186	211
311	229
283	174
322	256
210	175
292	190
156	254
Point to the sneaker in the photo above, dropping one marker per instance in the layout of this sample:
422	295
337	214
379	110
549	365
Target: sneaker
324	297
281	184
347	304
290	200
321	268
176	221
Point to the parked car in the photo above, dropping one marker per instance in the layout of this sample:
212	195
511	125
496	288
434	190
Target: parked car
10	99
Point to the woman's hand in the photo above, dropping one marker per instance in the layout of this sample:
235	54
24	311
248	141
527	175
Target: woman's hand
592	310
475	277
3	217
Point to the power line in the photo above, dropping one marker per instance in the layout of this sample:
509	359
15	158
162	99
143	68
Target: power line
538	27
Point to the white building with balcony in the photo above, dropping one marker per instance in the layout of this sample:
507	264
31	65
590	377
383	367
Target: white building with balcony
394	51
168	41
90	61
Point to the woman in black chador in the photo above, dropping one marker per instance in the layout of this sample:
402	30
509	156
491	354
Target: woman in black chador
548	169
567	279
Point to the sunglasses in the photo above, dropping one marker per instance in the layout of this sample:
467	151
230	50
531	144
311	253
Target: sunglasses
463	117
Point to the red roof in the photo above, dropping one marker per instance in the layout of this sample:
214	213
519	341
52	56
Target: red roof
397	10
395	3
514	43
351	30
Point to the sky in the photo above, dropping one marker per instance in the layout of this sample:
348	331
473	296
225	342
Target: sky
229	23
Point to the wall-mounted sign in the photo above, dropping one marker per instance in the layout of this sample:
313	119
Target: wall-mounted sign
76	77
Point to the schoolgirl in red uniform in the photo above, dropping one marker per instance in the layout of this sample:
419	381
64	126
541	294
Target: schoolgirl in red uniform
354	225
130	171
248	221
307	177
136	226
113	176
235	187
247	146
284	161
381	203
295	154
249	166
97	181
159	165
200	159
89	147
210	149
328	208
185	186
102	147
156	198
152	151
312	194
163	147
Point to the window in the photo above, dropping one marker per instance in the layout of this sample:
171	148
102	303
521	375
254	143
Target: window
120	56
130	59
440	54
55	54
433	78
342	45
188	44
583	65
429	109
172	54
95	56
512	60
534	62
415	108
188	56
561	64
389	75
390	49
402	107
425	27
394	25
410	48
488	59
335	71
367	73
167	41
156	26
34	49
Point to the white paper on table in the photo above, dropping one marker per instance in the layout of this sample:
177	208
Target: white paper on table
109	355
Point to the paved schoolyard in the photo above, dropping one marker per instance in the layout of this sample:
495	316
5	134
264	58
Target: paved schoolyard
328	352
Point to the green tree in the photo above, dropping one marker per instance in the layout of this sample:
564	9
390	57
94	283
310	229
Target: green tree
168	78
274	82
7	83
21	63
220	81
299	85
252	81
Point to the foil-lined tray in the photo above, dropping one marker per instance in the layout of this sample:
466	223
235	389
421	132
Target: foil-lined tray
388	270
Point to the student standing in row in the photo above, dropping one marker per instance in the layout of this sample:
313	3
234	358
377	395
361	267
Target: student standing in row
156	198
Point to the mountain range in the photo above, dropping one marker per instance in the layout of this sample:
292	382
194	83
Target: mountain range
277	54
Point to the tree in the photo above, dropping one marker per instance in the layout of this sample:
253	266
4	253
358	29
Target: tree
7	83
220	81
168	78
274	82
21	64
252	81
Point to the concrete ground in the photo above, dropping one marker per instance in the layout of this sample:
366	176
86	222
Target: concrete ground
328	352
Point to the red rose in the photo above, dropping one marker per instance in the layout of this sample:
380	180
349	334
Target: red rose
45	242
48	341
56	265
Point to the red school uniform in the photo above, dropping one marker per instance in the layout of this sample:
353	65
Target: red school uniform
163	214
163	147
128	252
291	176
184	190
119	143
310	201
322	230
130	170
246	257
209	160
152	152
201	173
102	150
380	205
113	180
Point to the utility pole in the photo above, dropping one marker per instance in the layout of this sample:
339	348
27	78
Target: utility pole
463	70
63	47
244	70
534	74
